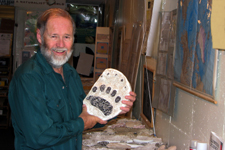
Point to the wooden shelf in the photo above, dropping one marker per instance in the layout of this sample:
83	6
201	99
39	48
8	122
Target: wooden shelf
5	67
6	61
3	96
6	86
4	123
3	115
6	57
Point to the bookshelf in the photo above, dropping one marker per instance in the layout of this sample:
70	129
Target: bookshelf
7	23
5	77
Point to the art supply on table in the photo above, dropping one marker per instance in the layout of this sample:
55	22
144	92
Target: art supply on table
201	146
193	145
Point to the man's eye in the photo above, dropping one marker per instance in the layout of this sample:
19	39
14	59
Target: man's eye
67	37
54	37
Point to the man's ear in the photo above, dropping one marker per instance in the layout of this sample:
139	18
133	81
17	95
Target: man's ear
39	35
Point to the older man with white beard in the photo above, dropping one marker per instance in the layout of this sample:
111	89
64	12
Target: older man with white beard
46	94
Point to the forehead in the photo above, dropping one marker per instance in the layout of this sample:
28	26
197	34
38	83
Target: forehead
59	24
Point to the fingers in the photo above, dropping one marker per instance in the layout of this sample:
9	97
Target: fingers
133	94
96	118
129	102
84	107
127	107
90	120
131	97
124	110
101	121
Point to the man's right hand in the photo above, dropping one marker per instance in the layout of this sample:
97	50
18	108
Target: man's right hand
90	120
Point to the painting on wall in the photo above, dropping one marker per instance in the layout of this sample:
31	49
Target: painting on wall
195	58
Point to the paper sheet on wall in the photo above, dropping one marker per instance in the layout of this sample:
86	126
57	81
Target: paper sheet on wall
5	43
218	24
39	4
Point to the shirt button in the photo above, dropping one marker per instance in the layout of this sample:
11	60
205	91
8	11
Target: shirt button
63	87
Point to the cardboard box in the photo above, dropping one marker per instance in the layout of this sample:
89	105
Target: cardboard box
2	83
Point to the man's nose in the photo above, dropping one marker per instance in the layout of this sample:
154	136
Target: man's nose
60	42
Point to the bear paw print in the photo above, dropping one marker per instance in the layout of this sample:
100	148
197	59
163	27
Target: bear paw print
104	99
102	103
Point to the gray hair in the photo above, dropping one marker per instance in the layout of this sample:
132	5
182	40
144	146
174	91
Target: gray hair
42	20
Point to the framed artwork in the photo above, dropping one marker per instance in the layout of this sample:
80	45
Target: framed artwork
102	47
147	95
101	63
97	74
195	59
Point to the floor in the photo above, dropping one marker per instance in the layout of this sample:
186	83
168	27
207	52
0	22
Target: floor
7	139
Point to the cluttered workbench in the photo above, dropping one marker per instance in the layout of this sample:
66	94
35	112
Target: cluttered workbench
123	134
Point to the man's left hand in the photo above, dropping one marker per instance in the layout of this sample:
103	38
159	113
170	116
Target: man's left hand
129	103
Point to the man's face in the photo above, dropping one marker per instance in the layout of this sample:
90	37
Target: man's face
57	41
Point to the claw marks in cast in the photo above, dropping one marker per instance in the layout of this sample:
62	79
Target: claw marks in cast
102	103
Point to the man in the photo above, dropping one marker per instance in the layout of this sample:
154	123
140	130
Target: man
46	94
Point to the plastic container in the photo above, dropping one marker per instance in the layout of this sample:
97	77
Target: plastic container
194	144
202	146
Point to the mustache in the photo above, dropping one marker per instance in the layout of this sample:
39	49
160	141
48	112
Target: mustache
58	49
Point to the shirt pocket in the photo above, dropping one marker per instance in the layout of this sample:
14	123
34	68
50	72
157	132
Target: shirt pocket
56	109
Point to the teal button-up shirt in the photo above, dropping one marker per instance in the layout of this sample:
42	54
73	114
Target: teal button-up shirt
44	108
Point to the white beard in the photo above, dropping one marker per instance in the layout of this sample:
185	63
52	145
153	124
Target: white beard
53	60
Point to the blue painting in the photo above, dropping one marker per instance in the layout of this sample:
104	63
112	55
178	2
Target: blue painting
194	56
